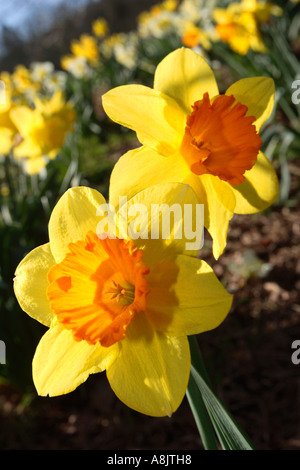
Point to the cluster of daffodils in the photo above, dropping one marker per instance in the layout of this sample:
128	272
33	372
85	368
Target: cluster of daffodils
113	296
192	23
188	22
93	51
83	58
40	78
34	115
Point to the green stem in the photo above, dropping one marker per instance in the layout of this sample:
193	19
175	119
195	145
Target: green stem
197	360
196	402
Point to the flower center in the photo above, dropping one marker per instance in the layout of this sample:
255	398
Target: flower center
98	288
220	139
121	294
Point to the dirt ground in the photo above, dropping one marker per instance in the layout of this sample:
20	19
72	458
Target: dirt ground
248	358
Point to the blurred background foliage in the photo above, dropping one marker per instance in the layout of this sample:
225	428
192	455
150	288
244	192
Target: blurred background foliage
84	53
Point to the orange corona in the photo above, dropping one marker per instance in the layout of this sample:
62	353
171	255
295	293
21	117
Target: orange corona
220	139
98	288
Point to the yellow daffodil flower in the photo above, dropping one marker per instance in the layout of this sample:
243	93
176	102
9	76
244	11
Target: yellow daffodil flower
77	66
194	36
115	303
241	34
100	27
238	24
192	134
261	9
8	129
23	83
42	130
86	47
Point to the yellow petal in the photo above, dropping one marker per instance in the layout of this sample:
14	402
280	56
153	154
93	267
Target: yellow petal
186	298
6	140
143	167
169	221
140	168
260	188
258	94
156	118
219	206
27	148
72	217
25	119
30	284
61	364
34	165
151	372
185	76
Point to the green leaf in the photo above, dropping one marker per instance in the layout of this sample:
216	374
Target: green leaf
230	434
202	419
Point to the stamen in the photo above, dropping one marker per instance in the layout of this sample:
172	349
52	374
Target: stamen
121	293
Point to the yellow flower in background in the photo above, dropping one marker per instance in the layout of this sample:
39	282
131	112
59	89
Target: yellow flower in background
190	133
77	66
241	34
42	130
86	47
40	71
123	47
8	129
262	10
169	5
22	81
238	24
120	304
161	19
194	36
100	27
6	78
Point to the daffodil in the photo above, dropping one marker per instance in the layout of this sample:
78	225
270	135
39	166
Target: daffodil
100	27
42	130
194	36
8	129
86	47
77	66
161	19
23	83
190	133
239	24
120	303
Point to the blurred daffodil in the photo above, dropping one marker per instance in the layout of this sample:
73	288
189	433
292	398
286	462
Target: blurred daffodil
100	27
86	47
22	81
118	304
194	36
42	130
190	133
8	129
238	24
77	66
